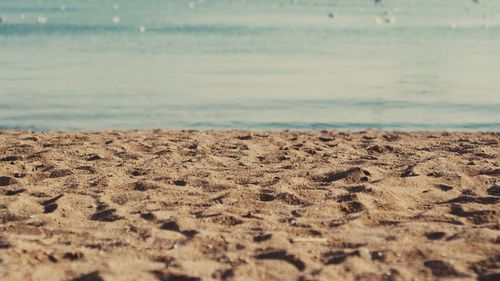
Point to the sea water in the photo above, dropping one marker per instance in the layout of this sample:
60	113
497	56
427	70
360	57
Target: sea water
254	64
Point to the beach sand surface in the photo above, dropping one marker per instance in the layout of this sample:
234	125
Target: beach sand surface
241	205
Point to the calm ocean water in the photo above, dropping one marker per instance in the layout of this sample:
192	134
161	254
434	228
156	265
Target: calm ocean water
304	64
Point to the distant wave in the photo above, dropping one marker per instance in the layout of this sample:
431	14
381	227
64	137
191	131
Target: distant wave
347	126
32	9
355	103
26	29
63	110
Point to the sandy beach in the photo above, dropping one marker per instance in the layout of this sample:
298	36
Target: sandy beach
240	205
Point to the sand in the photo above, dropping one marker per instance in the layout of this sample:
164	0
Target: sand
239	205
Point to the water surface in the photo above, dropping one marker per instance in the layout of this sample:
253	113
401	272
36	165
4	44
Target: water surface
129	64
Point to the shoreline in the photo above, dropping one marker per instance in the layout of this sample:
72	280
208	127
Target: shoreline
247	130
480	128
249	205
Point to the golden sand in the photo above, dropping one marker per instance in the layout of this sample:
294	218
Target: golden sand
240	205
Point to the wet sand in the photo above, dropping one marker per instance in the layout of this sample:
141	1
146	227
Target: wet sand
239	205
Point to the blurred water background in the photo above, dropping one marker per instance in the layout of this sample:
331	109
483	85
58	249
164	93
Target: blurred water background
255	64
